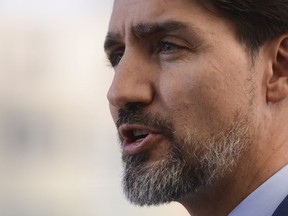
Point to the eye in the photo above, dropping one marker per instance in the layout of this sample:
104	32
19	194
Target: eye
166	47
116	56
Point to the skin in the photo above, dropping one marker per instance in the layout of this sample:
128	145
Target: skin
199	77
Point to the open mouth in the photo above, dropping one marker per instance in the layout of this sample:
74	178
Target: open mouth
139	134
134	135
137	138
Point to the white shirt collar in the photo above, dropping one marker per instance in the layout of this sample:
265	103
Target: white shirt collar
266	198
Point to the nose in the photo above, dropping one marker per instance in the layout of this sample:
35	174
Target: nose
132	83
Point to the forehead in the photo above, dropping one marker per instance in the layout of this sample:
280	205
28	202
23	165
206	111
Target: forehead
129	13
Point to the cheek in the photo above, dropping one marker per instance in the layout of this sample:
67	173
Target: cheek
201	103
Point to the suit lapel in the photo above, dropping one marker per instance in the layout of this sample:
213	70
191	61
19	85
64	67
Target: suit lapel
282	209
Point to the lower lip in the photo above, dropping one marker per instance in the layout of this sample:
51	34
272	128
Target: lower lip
139	146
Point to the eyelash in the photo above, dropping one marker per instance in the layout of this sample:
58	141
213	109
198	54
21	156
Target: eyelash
116	56
160	47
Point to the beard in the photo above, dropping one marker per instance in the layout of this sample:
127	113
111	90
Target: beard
190	164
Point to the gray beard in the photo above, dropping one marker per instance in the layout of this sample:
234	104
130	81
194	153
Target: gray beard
189	166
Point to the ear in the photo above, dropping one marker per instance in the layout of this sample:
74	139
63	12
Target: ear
277	88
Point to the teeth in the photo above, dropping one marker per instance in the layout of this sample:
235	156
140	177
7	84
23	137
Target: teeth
138	134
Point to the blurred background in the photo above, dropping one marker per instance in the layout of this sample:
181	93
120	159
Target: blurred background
58	146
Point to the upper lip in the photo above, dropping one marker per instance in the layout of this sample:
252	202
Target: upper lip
132	132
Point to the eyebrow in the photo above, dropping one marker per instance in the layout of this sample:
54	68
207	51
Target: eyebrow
143	30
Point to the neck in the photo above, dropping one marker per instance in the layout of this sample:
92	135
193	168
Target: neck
219	198
253	169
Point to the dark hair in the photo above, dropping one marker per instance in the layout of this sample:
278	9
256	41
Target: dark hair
255	21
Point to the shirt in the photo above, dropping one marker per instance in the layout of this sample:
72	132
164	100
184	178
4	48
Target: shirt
266	198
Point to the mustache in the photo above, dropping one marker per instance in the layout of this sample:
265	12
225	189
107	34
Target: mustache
152	120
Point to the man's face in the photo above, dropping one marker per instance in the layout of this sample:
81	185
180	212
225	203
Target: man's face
181	97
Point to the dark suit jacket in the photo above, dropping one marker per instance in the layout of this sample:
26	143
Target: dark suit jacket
282	209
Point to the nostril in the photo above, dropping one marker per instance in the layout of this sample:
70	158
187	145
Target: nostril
135	106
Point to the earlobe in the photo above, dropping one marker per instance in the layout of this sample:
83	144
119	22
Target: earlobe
277	88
